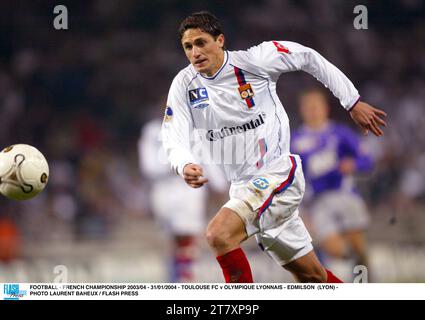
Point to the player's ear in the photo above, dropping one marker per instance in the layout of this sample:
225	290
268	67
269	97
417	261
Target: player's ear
220	40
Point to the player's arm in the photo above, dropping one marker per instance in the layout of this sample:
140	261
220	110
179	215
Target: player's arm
276	57
177	128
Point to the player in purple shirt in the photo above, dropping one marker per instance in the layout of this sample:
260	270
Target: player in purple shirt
331	154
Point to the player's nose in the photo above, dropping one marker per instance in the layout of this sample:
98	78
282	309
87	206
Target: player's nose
196	53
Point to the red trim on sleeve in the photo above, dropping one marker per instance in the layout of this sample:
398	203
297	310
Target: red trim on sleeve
280	47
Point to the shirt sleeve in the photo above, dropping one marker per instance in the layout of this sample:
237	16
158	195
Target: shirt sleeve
177	127
277	57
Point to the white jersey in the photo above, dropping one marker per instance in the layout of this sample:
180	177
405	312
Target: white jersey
237	114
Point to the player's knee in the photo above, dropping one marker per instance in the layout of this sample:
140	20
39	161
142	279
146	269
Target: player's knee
218	239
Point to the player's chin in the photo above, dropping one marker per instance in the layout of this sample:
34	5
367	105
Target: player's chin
201	68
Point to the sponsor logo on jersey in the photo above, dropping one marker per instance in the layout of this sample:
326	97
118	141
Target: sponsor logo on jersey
214	135
198	95
261	183
168	114
201	106
198	98
280	47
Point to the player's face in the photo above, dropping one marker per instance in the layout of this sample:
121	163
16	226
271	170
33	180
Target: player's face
314	109
203	51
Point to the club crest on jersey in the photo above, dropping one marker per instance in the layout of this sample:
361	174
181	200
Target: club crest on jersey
168	116
197	96
246	91
261	183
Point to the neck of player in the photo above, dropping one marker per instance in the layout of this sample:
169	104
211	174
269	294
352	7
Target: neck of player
216	65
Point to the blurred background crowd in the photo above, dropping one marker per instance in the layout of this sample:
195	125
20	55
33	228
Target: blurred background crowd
82	95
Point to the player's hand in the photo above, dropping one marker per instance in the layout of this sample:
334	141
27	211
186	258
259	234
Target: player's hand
193	175
368	118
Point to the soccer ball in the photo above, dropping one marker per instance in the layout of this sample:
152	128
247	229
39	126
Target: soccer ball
24	172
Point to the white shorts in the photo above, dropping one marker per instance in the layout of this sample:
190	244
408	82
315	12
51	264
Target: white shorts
178	206
268	205
338	211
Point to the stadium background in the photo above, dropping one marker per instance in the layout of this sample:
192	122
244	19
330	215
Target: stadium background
81	96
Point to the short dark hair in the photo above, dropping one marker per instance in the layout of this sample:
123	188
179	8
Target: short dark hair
203	20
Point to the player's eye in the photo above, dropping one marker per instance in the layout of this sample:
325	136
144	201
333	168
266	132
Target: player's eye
188	47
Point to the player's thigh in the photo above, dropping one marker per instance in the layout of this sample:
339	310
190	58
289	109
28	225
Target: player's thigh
307	268
226	226
287	242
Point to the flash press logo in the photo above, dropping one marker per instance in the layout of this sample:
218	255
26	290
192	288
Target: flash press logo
12	292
